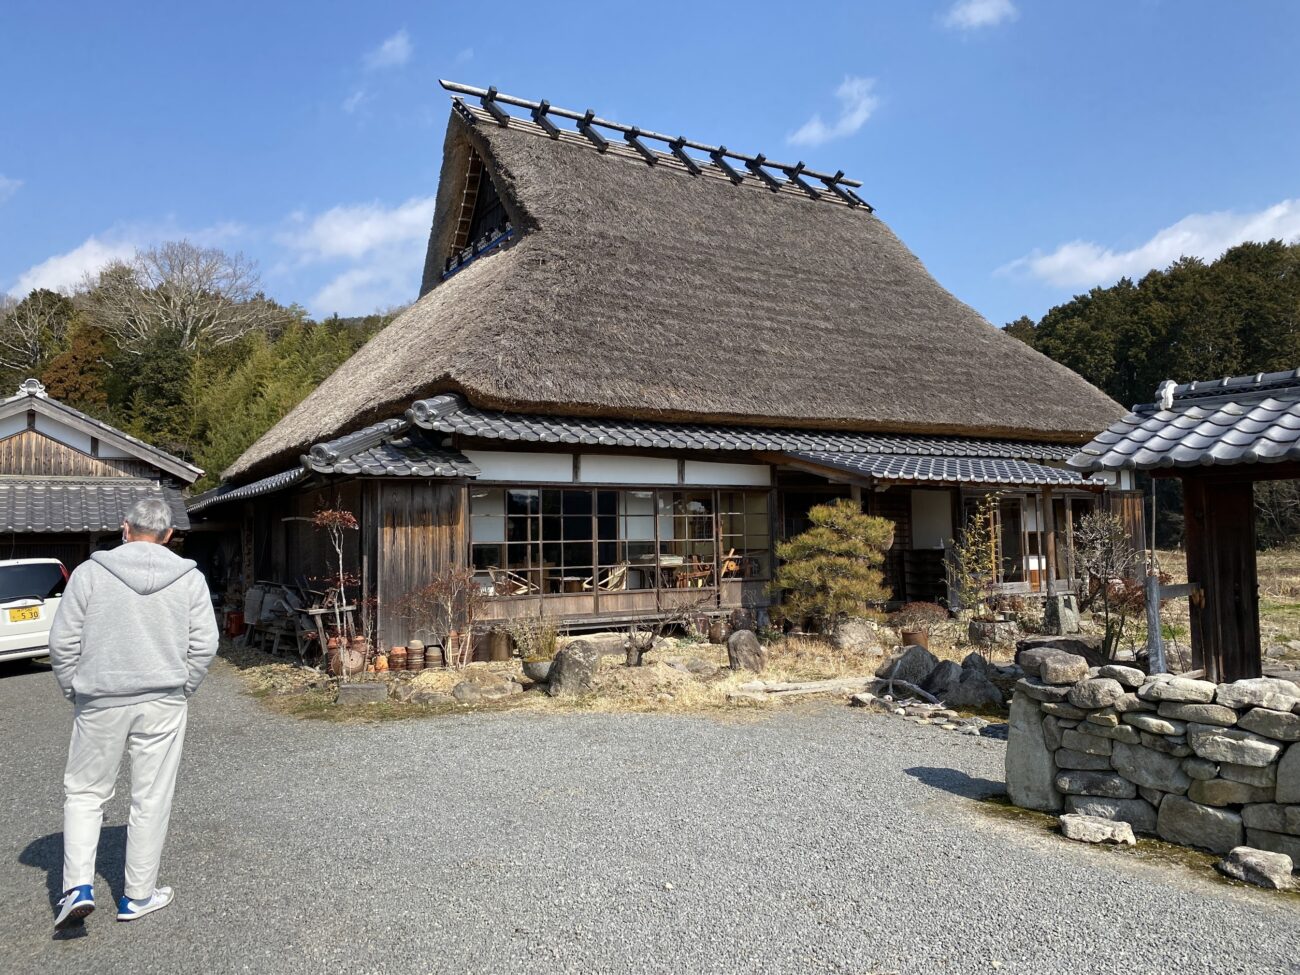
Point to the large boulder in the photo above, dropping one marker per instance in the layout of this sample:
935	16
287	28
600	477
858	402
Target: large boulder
1094	829
573	669
1033	687
912	664
1231	745
1263	839
974	690
1095	784
371	692
945	675
1200	713
1288	776
1088	647
1143	767
1182	821
1138	813
1030	768
1130	677
744	652
856	635
1061	615
1259	692
1258	867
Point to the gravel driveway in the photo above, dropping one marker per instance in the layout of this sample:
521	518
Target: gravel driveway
813	840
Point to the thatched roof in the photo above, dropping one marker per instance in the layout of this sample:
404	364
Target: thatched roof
642	291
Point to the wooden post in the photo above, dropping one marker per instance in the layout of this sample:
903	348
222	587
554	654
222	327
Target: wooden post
1048	528
1219	516
1155	639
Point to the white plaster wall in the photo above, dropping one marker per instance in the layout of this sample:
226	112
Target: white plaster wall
63	433
622	469
744	475
500	465
13	424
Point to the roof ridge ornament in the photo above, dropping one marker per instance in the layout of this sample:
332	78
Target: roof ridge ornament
770	173
1165	394
33	387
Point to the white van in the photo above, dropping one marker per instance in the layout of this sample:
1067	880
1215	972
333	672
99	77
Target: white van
30	590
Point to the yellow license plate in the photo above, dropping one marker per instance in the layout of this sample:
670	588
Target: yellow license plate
25	615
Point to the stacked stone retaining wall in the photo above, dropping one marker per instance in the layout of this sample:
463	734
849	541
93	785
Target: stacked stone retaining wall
1205	765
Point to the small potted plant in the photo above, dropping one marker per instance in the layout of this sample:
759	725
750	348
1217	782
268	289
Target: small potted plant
914	620
537	639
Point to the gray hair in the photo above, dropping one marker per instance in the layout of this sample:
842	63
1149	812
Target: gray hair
150	517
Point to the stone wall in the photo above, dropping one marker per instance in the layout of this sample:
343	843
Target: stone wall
1205	765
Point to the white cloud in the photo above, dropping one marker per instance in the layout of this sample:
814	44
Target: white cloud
392	53
8	187
64	272
974	14
857	102
1203	235
355	100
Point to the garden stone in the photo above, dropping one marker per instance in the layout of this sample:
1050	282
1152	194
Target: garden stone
1074	739
1153	797
1288	776
744	652
1169	746
1030	768
1224	792
1262	839
1051	730
1200	713
1130	677
1261	775
913	665
1143	767
856	635
1088	647
945	675
1095	784
469	692
1154	724
1282	725
1181	820
1131	703
402	691
1258	867
1093	829
1061	615
1137	813
974	661
1063	710
371	692
1199	768
575	666
1105	718
974	691
1231	745
1069	758
1178	689
433	697
1259	692
1040	691
1062	668
1125	733
1266	815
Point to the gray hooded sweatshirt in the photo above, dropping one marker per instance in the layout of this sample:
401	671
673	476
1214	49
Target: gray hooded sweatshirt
135	624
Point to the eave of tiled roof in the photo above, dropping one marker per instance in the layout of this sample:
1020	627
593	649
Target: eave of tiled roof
69	504
949	470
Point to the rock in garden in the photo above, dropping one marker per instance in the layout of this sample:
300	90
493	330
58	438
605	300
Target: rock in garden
370	692
1088	647
1051	731
1225	792
1231	745
1080	741
1030	769
1152	796
913	664
1282	725
401	691
1096	692
1095	784
856	635
945	674
1288	776
1176	746
1130	677
1199	768
1200	713
1062	668
1040	691
974	661
1259	692
1125	733
1130	703
1137	813
1092	829
865	700
1263	839
1178	689
744	652
1146	721
1258	867
1063	709
1103	718
432	697
974	690
1262	775
467	692
1060	615
1181	820
1149	769
1069	758
576	664
1272	816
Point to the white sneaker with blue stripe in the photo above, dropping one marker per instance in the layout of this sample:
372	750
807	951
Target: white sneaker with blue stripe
75	906
129	910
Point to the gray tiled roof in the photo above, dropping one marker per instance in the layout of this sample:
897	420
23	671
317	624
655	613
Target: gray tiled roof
55	504
958	470
405	455
1239	420
448	413
220	495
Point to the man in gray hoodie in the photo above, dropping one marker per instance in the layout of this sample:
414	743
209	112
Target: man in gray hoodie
132	640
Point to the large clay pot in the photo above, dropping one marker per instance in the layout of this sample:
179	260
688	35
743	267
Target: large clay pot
915	638
498	645
537	670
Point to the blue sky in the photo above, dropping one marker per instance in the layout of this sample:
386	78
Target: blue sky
1025	150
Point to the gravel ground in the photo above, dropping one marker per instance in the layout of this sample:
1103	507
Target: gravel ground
813	840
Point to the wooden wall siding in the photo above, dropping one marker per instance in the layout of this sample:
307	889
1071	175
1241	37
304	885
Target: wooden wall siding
1128	505
421	529
896	505
33	453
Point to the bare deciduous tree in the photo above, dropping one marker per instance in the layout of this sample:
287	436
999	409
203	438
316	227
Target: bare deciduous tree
201	295
32	329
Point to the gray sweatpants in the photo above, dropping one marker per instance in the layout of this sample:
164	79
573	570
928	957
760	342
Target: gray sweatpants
153	734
